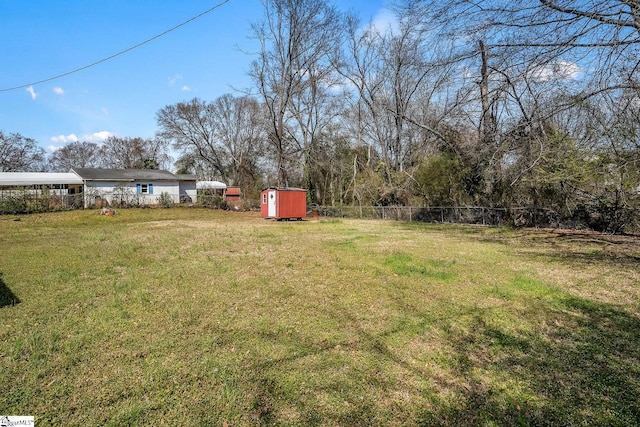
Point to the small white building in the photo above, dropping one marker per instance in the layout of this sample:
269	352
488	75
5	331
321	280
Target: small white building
134	186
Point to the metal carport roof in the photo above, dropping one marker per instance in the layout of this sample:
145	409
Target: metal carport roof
25	179
215	185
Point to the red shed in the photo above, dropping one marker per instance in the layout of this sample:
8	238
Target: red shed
232	195
283	203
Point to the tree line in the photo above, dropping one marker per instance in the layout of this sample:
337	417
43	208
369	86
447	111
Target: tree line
21	154
461	103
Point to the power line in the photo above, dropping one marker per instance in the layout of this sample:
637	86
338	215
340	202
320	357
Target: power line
119	53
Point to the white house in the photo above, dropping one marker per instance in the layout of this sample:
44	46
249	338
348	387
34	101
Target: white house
89	187
134	186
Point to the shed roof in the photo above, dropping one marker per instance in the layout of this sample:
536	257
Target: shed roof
284	189
98	174
233	191
22	179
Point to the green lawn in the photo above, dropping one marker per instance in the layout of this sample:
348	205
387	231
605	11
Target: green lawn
199	317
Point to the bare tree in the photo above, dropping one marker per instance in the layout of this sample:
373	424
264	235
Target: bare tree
134	153
316	109
191	163
75	154
296	37
405	86
20	154
597	40
239	126
192	130
223	139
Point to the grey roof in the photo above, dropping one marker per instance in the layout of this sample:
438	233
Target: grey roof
23	179
97	174
186	177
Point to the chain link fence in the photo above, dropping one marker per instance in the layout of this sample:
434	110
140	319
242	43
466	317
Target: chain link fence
517	217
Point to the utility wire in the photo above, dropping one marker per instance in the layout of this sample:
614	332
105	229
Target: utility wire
119	53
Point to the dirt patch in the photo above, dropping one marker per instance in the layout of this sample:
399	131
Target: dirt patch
588	236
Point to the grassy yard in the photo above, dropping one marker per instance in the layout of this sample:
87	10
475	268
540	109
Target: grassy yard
199	317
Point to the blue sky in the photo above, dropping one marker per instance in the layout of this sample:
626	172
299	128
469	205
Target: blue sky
206	58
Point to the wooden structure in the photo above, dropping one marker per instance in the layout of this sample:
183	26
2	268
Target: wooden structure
232	195
283	203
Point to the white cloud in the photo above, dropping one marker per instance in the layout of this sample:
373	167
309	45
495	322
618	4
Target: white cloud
96	137
58	90
33	93
64	139
53	148
384	22
559	70
186	88
174	79
342	85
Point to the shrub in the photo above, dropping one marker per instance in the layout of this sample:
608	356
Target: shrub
214	201
16	204
165	200
439	180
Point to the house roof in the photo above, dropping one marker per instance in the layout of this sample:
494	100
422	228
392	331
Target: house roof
22	179
186	177
98	174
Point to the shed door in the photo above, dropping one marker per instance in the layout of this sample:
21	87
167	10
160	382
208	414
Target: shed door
271	200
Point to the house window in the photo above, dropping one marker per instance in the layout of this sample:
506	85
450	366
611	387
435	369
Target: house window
264	199
144	188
